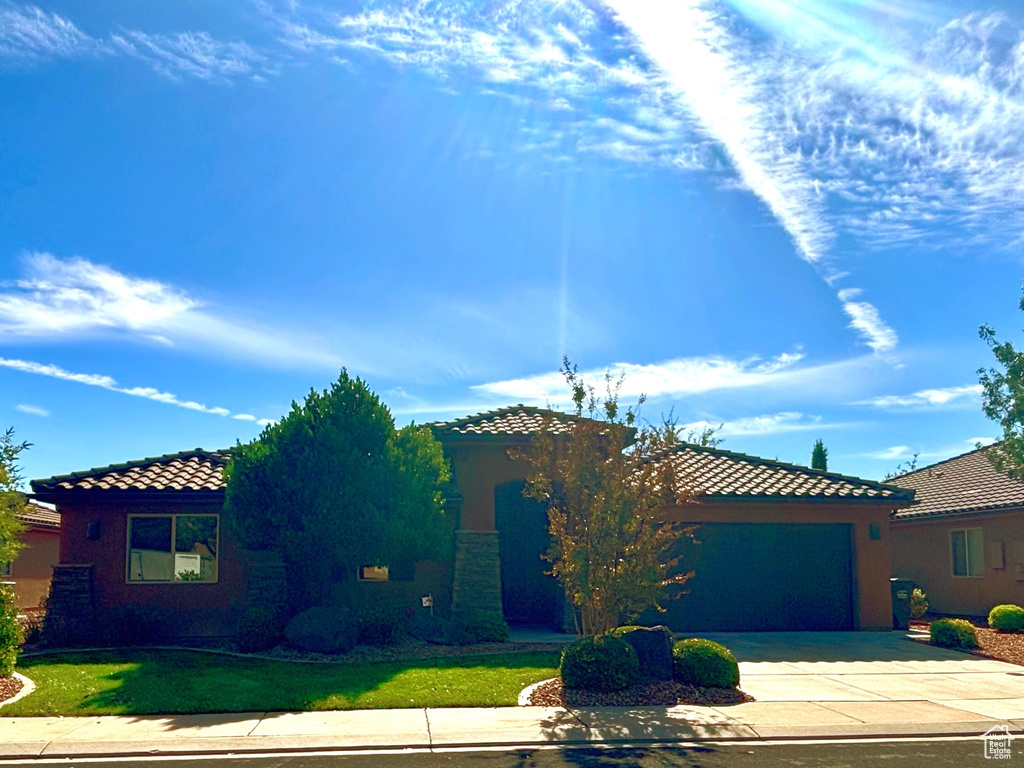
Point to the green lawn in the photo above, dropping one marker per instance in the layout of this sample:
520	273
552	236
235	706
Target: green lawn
141	682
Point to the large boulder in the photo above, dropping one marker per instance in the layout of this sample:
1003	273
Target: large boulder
653	646
325	629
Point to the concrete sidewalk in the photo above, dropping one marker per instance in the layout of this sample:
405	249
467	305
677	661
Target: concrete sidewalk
507	726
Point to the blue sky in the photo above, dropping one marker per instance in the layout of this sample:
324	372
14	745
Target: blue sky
785	217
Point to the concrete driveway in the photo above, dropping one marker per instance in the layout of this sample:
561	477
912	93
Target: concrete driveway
872	667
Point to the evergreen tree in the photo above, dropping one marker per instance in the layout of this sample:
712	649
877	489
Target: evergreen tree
819	456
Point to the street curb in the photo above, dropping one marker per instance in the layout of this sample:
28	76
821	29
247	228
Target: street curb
708	734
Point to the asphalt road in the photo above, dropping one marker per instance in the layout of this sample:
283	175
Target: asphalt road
933	754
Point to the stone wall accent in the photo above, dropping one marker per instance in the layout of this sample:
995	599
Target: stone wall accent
477	583
71	607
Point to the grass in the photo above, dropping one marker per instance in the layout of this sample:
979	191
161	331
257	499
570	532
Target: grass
149	682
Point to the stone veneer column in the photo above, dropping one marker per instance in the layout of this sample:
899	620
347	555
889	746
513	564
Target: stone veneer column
70	608
477	583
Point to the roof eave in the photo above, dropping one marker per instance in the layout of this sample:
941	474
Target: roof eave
106	495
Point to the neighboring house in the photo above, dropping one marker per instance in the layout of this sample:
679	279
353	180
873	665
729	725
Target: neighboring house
780	546
31	570
963	541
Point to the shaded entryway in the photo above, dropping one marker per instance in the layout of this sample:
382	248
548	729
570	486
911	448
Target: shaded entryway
528	594
764	576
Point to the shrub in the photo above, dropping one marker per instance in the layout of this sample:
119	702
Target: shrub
1006	618
259	629
704	663
325	629
918	603
434	629
484	627
954	633
11	633
380	626
602	663
653	646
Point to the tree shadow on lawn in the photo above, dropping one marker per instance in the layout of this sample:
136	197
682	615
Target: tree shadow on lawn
172	682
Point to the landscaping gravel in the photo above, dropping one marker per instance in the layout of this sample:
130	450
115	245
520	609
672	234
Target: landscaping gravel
9	687
648	692
1002	646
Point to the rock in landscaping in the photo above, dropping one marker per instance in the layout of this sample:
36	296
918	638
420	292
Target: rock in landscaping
653	646
325	629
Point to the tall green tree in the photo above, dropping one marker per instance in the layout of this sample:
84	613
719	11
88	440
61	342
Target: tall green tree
611	548
12	501
334	486
819	456
1002	400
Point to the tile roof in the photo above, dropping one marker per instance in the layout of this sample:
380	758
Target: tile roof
962	484
39	516
195	470
717	473
516	420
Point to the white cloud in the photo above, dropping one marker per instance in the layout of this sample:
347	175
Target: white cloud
865	319
892	453
767	424
926	398
110	384
72	298
33	410
673	378
29	34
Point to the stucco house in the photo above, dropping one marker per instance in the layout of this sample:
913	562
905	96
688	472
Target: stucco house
779	546
31	570
963	541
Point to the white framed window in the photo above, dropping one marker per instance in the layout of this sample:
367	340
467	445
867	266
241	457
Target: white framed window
967	552
172	549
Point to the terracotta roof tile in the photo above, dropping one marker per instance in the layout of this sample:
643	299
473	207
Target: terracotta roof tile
195	470
962	484
717	473
39	516
517	420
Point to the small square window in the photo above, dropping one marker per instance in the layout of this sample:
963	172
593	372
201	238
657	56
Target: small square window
5	568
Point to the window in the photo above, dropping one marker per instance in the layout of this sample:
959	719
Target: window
5	569
374	573
172	548
966	548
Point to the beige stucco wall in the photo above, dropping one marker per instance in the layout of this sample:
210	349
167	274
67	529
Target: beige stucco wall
921	551
32	569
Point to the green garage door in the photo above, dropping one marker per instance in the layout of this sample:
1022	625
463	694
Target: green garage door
764	577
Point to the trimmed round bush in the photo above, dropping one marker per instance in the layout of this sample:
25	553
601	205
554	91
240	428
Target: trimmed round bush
259	630
1006	618
602	663
325	629
485	627
653	646
434	629
954	633
705	664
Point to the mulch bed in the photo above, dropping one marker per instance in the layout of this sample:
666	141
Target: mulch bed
1002	646
646	693
9	687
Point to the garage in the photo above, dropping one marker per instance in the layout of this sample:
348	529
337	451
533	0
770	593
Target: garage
764	577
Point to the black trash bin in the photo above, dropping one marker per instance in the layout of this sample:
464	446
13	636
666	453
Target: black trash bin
902	589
